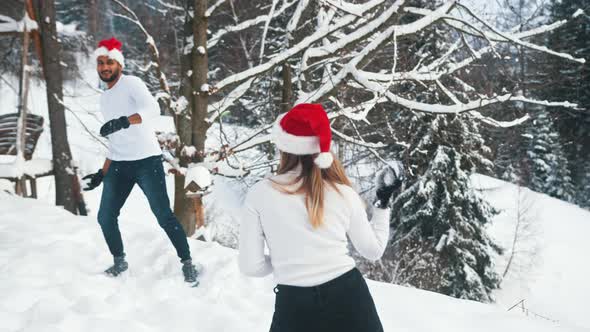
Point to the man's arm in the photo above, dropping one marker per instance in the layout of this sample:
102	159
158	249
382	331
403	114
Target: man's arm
94	180
105	166
134	119
121	123
146	104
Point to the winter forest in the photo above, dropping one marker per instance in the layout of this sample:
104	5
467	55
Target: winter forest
472	97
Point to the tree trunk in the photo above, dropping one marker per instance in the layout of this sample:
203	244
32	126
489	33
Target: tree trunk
93	19
287	88
200	93
60	147
183	206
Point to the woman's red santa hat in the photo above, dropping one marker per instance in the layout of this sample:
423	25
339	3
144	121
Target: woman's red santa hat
305	129
112	49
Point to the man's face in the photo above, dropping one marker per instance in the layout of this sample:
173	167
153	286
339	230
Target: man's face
107	68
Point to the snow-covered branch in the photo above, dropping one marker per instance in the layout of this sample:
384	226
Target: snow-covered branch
294	50
375	43
510	38
10	25
218	108
294	21
211	9
496	123
358	34
219	34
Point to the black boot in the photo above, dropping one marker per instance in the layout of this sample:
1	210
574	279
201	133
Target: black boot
189	271
119	267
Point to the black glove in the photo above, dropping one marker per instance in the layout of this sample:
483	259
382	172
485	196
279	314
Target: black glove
93	180
114	126
387	182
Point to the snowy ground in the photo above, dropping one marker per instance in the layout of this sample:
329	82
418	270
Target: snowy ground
50	280
550	271
51	261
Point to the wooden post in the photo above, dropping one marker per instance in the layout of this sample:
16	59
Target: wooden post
33	182
21	127
199	212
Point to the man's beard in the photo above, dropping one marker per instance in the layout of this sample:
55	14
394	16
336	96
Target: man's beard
111	78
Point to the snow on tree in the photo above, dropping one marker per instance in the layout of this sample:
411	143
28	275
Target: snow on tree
571	81
439	240
549	169
584	188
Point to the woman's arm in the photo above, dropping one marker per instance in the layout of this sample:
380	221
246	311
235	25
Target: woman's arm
252	260
369	239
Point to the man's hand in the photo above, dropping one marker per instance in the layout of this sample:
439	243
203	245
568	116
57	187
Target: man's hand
92	181
388	180
114	126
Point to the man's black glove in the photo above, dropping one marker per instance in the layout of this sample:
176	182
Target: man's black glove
93	180
387	182
114	126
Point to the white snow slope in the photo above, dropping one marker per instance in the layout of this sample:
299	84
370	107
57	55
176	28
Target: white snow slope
550	270
51	280
51	261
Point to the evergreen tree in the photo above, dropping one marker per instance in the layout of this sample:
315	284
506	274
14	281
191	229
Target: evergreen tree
439	236
569	81
549	172
439	241
584	188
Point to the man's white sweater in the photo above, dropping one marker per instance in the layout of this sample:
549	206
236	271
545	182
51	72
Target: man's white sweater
127	97
300	255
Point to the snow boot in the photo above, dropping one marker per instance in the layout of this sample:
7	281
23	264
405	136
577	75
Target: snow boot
189	271
119	266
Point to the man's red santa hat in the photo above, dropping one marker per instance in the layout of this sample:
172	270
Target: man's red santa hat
305	129
112	49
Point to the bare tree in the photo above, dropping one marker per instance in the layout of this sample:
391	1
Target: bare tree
523	247
52	71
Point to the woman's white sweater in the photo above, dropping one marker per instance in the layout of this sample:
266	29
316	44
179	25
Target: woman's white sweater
300	255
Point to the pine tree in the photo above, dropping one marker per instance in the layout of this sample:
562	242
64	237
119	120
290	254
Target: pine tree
439	241
584	188
549	172
571	82
438	221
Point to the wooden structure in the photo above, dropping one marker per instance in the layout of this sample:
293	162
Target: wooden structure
8	132
8	141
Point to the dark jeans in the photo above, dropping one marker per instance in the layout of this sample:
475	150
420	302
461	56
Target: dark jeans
149	174
343	304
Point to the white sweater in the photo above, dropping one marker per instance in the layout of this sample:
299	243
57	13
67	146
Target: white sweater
300	255
127	97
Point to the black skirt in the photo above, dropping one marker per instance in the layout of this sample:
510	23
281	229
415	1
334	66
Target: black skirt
343	304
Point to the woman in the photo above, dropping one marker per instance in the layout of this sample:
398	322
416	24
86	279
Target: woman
304	215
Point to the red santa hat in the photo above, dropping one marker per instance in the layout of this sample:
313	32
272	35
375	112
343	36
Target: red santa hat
305	129
112	49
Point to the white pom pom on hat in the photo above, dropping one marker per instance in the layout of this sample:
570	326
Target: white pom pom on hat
112	49
305	129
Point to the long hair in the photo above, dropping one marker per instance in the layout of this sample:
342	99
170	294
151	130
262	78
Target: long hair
313	181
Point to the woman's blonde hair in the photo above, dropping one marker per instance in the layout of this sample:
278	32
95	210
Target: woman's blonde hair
313	180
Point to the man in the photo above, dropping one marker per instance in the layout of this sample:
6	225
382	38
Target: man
134	157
